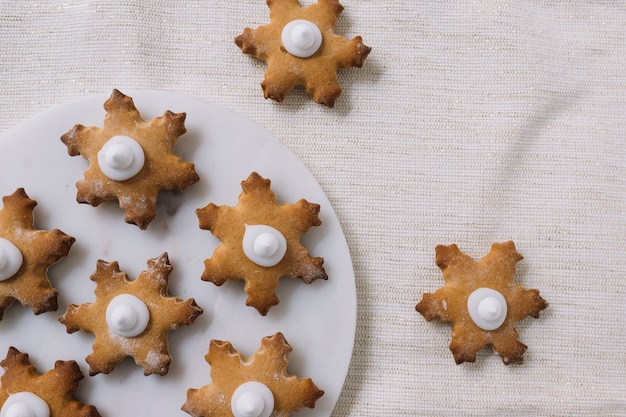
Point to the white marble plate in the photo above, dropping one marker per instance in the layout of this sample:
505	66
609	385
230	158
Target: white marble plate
318	320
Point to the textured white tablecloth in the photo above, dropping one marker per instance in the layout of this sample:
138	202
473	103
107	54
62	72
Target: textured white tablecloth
471	122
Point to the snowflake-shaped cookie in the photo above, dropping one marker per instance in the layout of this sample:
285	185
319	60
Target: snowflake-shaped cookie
130	159
131	318
22	385
235	376
482	301
251	230
301	48
26	254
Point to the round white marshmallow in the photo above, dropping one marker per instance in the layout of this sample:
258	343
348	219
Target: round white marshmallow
121	158
127	315
301	38
11	259
264	245
487	308
252	399
25	404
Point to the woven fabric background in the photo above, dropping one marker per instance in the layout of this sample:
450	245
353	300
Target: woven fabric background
471	122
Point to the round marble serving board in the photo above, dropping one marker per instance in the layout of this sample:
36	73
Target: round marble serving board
318	319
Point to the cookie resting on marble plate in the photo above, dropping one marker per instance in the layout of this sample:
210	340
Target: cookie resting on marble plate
251	386
260	242
25	392
26	254
130	160
131	318
301	48
482	301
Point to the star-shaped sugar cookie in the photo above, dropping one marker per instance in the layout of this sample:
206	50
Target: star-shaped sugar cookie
482	301
232	372
130	159
26	254
118	321
21	386
256	226
301	48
